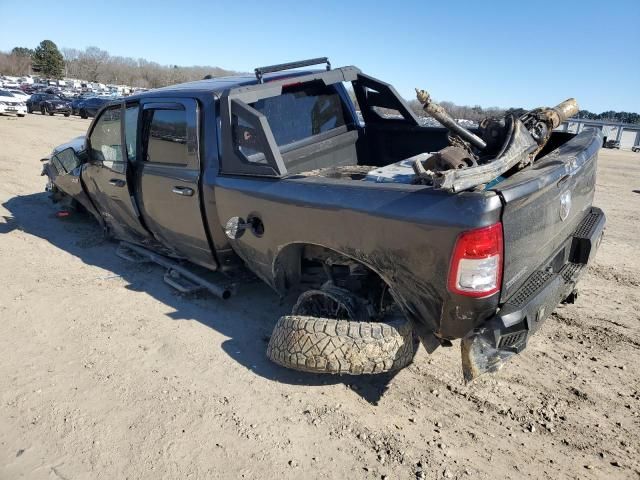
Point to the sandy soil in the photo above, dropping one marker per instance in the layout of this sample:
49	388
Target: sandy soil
107	373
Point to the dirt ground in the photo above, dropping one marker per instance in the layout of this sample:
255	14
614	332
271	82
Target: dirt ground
106	373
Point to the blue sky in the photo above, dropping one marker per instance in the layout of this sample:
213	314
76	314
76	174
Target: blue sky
511	53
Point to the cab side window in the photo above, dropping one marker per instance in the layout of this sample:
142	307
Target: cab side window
246	141
106	140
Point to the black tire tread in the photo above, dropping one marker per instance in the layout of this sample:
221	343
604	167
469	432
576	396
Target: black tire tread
324	345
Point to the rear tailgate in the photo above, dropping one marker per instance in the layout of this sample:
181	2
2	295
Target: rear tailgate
543	205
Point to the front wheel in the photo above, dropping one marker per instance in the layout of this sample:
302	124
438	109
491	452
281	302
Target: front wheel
83	114
67	114
21	114
43	110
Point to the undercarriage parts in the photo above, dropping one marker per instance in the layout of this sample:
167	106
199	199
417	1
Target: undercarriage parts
504	144
332	302
519	148
440	114
450	158
178	276
541	121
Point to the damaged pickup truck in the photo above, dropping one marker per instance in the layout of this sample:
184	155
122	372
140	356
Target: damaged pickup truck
382	234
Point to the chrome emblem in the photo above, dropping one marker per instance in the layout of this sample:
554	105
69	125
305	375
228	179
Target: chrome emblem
565	205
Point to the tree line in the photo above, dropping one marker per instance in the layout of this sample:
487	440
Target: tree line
610	115
96	65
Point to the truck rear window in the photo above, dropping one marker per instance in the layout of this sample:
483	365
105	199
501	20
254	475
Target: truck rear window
303	111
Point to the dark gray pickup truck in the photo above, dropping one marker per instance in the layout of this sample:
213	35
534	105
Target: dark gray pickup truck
383	233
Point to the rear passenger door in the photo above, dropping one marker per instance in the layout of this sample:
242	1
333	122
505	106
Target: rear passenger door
169	178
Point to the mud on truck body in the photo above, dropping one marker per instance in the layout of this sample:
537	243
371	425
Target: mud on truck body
383	233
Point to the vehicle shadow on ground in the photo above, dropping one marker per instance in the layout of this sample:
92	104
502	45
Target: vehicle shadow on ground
247	318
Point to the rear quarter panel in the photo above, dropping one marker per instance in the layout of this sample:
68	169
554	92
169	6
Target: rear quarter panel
404	233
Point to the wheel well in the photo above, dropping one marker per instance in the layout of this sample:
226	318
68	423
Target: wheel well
299	267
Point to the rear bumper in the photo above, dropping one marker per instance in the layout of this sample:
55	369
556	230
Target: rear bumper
507	333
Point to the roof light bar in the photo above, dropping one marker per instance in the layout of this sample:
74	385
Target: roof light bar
260	71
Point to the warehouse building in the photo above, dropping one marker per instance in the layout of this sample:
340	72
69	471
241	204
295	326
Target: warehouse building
626	133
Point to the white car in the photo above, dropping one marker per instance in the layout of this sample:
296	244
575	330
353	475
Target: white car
10	84
19	94
11	104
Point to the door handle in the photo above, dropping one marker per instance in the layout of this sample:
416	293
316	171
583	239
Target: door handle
184	191
116	182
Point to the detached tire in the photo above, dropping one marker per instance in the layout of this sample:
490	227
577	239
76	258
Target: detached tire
324	345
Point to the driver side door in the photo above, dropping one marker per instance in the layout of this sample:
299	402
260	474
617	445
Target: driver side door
106	176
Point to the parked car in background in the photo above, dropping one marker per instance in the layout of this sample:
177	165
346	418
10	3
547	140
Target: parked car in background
612	144
90	106
636	148
49	103
19	94
7	83
75	103
12	104
54	90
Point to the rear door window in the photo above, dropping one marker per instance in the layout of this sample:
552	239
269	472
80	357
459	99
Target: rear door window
167	136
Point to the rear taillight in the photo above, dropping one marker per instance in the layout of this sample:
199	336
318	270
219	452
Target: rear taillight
476	266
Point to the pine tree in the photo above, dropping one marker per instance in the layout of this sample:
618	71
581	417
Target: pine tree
47	60
22	52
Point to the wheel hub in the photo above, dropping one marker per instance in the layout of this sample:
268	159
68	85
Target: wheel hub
330	302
